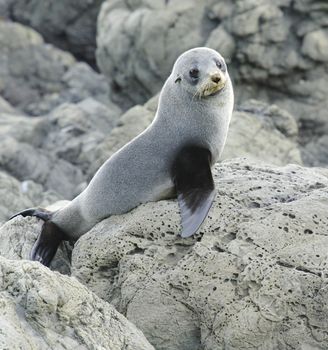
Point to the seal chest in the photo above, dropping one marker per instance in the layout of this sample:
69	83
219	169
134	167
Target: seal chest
173	155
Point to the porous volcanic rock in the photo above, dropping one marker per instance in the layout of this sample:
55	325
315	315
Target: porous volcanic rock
255	276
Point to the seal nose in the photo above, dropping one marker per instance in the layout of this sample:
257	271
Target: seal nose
216	78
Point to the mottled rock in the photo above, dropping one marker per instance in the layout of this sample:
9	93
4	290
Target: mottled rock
255	276
41	309
315	45
69	25
26	162
56	151
6	107
36	77
73	131
16	196
263	132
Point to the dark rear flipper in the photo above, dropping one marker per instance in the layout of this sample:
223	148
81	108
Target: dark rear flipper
49	239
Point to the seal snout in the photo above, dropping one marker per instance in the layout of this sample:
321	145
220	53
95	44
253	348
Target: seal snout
216	77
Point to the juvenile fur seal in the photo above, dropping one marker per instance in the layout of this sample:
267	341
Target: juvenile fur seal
173	155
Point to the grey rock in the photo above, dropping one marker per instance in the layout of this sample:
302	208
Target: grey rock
26	162
137	44
41	309
36	77
276	51
6	107
73	131
263	132
316	152
57	150
315	45
69	25
16	196
255	275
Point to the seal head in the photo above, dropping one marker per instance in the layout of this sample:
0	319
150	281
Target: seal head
201	71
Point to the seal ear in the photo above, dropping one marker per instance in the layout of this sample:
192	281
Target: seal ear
192	176
178	79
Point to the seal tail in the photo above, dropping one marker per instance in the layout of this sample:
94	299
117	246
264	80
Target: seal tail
49	239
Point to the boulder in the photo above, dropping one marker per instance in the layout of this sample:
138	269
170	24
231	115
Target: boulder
36	77
41	309
55	151
254	276
69	25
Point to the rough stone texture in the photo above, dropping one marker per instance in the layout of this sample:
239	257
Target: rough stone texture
70	25
6	107
55	151
36	77
16	196
41	309
258	131
276	50
255	276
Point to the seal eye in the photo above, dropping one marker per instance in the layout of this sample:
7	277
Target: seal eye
219	64
194	73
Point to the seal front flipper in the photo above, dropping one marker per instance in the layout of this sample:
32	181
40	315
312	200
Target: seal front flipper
192	177
48	241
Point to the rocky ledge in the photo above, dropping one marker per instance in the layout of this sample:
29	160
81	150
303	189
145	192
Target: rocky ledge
254	277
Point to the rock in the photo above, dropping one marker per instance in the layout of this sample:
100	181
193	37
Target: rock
316	152
69	25
56	151
254	276
36	77
6	107
41	309
221	41
26	162
16	196
262	132
315	45
258	131
73	131
276	51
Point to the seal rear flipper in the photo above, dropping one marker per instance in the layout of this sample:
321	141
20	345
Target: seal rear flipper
192	176
46	245
48	241
43	214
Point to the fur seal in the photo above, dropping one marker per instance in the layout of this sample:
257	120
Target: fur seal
174	155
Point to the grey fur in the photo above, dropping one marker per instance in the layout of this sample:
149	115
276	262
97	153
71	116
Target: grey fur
140	171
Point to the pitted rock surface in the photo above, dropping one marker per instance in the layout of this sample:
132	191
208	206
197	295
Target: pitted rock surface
41	309
255	276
